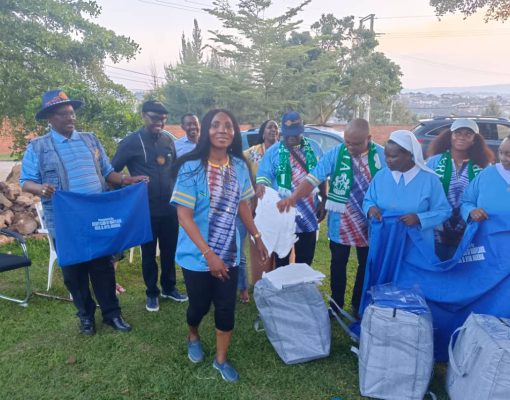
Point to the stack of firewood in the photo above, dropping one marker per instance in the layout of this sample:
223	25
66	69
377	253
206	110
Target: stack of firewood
17	211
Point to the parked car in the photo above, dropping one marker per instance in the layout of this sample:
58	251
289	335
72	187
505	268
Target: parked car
326	137
493	129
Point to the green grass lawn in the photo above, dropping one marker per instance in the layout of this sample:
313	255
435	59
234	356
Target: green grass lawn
42	355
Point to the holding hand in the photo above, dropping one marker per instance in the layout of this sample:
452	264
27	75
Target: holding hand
374	212
286	204
129	180
410	219
217	267
46	190
478	215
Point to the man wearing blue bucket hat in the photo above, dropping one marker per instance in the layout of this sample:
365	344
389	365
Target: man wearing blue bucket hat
283	167
67	160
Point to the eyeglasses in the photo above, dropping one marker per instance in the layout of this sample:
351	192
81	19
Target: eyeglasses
157	117
66	115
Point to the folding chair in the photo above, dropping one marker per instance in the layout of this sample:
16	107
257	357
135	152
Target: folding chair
53	253
9	262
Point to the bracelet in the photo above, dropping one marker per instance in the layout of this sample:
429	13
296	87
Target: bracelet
257	235
122	177
204	254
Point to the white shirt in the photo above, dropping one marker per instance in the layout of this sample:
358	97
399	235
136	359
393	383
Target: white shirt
408	175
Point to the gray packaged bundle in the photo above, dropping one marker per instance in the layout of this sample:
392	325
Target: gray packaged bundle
396	353
295	319
479	365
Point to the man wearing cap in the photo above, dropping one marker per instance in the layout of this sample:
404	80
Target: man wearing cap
65	159
190	125
283	167
150	151
350	167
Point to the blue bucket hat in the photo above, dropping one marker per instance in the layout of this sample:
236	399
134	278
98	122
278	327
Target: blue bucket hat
53	99
292	124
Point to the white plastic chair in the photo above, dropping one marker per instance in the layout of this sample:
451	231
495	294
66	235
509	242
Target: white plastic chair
132	253
53	253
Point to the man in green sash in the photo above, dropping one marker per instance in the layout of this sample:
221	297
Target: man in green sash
350	167
284	166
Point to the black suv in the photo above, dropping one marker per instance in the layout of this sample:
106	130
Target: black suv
493	129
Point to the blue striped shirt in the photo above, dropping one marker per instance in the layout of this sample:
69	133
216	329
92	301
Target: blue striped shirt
77	160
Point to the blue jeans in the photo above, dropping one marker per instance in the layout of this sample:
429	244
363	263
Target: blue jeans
242	282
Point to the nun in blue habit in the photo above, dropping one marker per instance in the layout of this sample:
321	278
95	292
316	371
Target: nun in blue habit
407	187
489	193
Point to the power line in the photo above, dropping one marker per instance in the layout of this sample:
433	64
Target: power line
173	5
135	72
452	66
408	17
442	35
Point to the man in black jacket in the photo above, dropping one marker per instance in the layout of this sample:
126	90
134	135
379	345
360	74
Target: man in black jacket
150	151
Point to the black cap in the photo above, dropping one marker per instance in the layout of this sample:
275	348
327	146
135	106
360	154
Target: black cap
154	106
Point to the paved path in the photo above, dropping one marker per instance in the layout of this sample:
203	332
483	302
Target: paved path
5	169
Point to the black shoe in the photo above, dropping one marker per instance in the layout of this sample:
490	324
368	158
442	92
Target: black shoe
87	327
118	324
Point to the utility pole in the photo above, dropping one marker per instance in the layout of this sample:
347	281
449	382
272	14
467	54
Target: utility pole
369	17
366	99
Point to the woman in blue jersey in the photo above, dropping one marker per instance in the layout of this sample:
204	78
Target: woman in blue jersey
407	187
457	156
212	188
489	193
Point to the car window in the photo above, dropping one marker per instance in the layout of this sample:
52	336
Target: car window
488	131
503	131
252	138
325	141
437	131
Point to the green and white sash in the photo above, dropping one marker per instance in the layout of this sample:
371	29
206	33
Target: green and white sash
341	180
284	169
445	170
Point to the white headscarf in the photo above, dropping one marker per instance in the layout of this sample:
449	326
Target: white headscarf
408	141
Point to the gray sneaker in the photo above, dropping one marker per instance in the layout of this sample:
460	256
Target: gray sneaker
152	304
175	296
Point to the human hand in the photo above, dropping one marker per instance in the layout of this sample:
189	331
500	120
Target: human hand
374	212
478	215
129	180
410	219
217	267
47	190
261	249
260	190
286	204
321	211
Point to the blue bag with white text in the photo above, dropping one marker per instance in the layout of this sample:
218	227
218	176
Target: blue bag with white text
89	226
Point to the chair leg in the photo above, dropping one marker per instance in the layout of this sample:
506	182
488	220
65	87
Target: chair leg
22	302
131	254
51	267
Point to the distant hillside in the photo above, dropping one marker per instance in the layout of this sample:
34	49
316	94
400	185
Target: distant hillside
479	90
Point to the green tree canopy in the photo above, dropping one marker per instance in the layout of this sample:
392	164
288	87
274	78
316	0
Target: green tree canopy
260	66
53	43
494	9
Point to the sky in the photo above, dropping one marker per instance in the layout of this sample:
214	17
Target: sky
451	52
